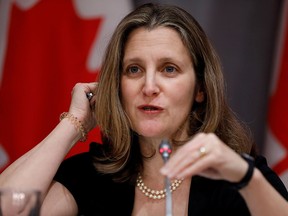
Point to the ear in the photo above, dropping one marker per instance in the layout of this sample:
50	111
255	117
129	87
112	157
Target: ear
199	98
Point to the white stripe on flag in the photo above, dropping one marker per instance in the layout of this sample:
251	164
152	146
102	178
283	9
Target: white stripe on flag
273	149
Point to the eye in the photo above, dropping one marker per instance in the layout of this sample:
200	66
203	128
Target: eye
170	69
133	70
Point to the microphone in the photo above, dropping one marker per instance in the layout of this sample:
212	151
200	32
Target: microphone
165	150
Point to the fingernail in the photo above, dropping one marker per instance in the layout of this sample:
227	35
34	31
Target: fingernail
170	175
163	171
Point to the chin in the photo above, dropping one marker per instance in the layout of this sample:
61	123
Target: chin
152	133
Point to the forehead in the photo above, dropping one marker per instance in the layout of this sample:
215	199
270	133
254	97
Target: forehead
160	40
161	33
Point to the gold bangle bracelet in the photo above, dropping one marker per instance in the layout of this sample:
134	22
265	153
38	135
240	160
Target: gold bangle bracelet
77	123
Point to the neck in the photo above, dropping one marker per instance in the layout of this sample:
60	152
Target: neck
148	145
152	161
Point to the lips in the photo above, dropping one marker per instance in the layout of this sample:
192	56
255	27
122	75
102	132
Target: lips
150	108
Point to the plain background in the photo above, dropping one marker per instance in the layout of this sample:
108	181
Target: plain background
245	34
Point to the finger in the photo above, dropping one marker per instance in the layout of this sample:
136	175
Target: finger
210	173
190	162
209	157
90	88
201	166
90	92
184	156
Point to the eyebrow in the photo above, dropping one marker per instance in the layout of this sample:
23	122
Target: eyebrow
134	59
137	59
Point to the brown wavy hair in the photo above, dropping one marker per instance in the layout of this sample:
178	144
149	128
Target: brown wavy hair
121	155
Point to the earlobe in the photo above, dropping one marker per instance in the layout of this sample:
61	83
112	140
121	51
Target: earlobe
199	97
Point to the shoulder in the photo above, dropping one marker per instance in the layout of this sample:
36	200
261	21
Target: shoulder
81	163
92	190
79	169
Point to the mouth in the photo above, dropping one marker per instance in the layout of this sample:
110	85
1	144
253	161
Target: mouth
150	108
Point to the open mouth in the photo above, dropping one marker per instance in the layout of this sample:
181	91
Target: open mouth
150	108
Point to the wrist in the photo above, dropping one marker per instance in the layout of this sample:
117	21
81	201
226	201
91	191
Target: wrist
248	175
77	124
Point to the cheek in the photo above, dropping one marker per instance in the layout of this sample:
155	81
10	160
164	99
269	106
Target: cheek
184	96
126	94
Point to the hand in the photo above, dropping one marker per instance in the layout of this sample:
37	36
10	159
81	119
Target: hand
217	160
81	107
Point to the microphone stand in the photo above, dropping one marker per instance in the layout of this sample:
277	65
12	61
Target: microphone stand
165	150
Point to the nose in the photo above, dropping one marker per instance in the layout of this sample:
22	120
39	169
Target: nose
151	86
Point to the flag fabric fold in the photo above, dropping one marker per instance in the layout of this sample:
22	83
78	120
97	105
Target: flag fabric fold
276	147
48	46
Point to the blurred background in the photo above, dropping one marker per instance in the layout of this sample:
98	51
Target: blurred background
47	46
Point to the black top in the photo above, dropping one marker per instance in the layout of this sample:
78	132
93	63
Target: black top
97	194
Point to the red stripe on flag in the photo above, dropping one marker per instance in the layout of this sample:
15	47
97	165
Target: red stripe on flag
278	107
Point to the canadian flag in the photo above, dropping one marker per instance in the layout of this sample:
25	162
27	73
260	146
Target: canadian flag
276	147
46	47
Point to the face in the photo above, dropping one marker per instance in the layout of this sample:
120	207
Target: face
157	82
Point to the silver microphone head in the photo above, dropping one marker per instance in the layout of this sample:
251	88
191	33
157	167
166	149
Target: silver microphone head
165	149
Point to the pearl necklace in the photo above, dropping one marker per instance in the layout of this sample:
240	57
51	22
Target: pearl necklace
155	194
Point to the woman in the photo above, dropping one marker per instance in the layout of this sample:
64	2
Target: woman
160	79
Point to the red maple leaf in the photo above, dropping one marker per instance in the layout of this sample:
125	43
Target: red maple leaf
46	56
